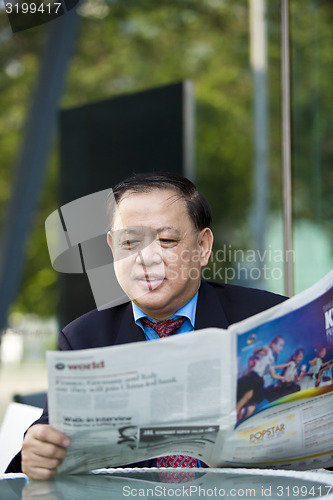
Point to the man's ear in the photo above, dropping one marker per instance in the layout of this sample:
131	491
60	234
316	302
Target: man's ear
109	240
206	239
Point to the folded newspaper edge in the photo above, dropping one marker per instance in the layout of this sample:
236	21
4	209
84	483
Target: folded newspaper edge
178	396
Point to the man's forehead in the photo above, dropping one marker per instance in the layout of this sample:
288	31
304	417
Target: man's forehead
143	229
160	198
164	212
162	193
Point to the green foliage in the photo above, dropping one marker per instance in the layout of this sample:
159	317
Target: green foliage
128	46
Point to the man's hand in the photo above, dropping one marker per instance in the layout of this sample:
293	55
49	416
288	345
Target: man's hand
43	450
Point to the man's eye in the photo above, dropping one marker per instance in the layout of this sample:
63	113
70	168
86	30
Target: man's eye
167	242
129	243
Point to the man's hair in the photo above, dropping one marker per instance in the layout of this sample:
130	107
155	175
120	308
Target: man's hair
197	205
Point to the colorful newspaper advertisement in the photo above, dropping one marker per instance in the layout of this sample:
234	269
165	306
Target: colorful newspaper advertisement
285	383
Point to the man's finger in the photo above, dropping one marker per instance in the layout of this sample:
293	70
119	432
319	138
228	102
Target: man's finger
39	473
44	449
48	434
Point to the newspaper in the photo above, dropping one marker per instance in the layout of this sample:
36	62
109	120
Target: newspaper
259	394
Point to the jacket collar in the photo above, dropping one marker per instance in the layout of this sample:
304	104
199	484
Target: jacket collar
128	330
210	313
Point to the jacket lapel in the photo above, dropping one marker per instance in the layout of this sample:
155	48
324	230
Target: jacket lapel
210	312
128	330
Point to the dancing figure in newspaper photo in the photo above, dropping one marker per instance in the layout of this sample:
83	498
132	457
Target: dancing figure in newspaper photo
291	375
325	375
310	378
251	386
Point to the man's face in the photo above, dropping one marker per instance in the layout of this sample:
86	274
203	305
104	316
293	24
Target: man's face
158	253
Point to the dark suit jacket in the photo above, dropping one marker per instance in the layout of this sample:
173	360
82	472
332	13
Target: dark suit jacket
219	305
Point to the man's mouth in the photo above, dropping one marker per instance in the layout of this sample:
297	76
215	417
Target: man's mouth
150	282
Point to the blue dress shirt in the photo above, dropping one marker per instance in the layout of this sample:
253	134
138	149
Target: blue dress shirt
187	310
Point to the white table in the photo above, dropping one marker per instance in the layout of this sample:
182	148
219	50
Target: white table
153	483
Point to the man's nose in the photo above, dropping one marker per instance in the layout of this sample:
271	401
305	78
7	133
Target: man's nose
150	254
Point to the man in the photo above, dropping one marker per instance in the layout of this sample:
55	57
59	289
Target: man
160	237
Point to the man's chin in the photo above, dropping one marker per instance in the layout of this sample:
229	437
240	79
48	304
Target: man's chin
151	302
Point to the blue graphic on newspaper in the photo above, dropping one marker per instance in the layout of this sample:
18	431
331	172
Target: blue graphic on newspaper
287	358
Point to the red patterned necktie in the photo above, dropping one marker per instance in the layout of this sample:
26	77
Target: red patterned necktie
177	477
164	329
176	461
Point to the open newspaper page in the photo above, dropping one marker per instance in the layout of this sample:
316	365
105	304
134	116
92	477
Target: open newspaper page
124	404
284	386
257	395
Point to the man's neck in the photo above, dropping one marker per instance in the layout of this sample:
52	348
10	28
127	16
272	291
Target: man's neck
188	309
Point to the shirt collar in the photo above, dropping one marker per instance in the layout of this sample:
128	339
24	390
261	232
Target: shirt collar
187	310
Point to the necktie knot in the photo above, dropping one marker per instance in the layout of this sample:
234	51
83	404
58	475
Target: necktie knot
164	328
